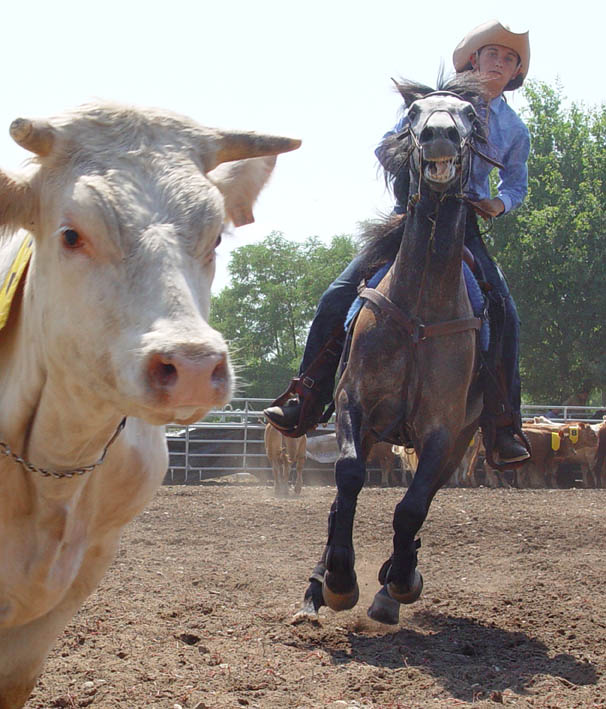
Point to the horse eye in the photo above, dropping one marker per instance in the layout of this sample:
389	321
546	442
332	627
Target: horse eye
71	238
218	241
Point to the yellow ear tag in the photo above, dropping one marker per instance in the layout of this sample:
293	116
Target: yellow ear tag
574	434
555	441
13	277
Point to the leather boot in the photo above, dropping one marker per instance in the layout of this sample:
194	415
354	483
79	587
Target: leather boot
285	416
508	448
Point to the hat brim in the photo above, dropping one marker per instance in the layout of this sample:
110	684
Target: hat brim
493	32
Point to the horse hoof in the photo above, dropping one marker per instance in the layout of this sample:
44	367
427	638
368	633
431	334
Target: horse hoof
413	592
340	601
307	612
384	609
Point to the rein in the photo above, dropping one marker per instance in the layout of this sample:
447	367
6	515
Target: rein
5	450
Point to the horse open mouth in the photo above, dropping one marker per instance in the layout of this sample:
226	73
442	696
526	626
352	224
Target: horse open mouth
441	171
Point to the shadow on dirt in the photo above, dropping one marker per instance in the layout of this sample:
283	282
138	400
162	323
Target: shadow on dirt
468	658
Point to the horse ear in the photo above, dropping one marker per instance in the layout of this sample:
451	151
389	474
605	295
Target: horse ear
410	92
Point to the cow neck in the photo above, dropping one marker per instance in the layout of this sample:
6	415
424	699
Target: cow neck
79	441
48	472
19	426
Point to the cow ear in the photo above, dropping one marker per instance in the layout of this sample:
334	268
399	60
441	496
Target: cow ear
17	202
240	183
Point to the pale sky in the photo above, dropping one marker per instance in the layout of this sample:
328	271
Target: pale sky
319	71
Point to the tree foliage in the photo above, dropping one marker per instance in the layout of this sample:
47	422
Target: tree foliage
553	249
265	313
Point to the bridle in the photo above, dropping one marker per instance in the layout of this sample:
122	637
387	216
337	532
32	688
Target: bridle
5	450
467	142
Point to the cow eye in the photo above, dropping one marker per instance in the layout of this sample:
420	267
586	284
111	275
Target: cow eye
71	238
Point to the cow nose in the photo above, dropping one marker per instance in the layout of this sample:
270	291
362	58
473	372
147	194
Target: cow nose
181	380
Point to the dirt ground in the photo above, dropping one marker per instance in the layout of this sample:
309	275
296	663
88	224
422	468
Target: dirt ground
197	609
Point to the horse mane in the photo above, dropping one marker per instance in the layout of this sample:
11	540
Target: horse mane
380	240
469	85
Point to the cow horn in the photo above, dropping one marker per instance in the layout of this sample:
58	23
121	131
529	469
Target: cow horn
36	136
240	146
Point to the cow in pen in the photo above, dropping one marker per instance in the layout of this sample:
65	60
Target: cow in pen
282	453
107	255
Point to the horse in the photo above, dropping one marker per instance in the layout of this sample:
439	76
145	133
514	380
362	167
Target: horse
409	374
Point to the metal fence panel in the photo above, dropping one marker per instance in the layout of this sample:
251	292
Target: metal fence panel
230	441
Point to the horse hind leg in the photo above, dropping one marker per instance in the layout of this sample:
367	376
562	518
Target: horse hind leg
385	607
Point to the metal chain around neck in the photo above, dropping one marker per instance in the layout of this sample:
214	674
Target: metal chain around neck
5	450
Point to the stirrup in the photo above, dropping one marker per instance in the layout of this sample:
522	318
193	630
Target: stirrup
305	387
311	413
489	424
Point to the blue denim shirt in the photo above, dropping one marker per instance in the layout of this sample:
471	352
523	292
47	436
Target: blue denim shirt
508	143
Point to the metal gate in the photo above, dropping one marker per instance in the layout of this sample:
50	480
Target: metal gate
230	441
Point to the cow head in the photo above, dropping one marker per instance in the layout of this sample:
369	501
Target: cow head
127	208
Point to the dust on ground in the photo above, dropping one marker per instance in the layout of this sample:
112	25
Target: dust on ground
196	610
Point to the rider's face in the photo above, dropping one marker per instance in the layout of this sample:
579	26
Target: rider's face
498	64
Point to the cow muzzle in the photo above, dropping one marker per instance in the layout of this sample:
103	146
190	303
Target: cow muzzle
188	382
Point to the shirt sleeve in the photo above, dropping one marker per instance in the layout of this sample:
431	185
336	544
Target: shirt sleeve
513	185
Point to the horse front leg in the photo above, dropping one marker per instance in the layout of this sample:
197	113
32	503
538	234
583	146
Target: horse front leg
333	581
399	577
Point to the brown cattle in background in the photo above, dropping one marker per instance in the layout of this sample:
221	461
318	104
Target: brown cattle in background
383	455
599	464
282	452
553	445
324	449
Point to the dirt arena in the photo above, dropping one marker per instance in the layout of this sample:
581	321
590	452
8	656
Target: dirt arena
197	609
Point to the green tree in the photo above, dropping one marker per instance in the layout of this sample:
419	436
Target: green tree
553	249
265	313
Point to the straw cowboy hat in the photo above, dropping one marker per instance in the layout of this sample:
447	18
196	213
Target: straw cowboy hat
493	32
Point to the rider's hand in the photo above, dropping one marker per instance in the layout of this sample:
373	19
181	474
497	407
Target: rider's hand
488	208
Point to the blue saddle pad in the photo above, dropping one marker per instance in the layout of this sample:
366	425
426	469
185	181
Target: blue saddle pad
473	291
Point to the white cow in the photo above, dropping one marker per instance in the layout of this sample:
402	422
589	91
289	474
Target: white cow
124	209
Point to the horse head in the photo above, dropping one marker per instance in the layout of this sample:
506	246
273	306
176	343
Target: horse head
442	130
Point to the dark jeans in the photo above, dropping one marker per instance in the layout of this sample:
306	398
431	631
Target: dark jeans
340	294
330	314
510	344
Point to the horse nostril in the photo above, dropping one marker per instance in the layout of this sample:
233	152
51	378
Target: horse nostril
453	135
427	134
